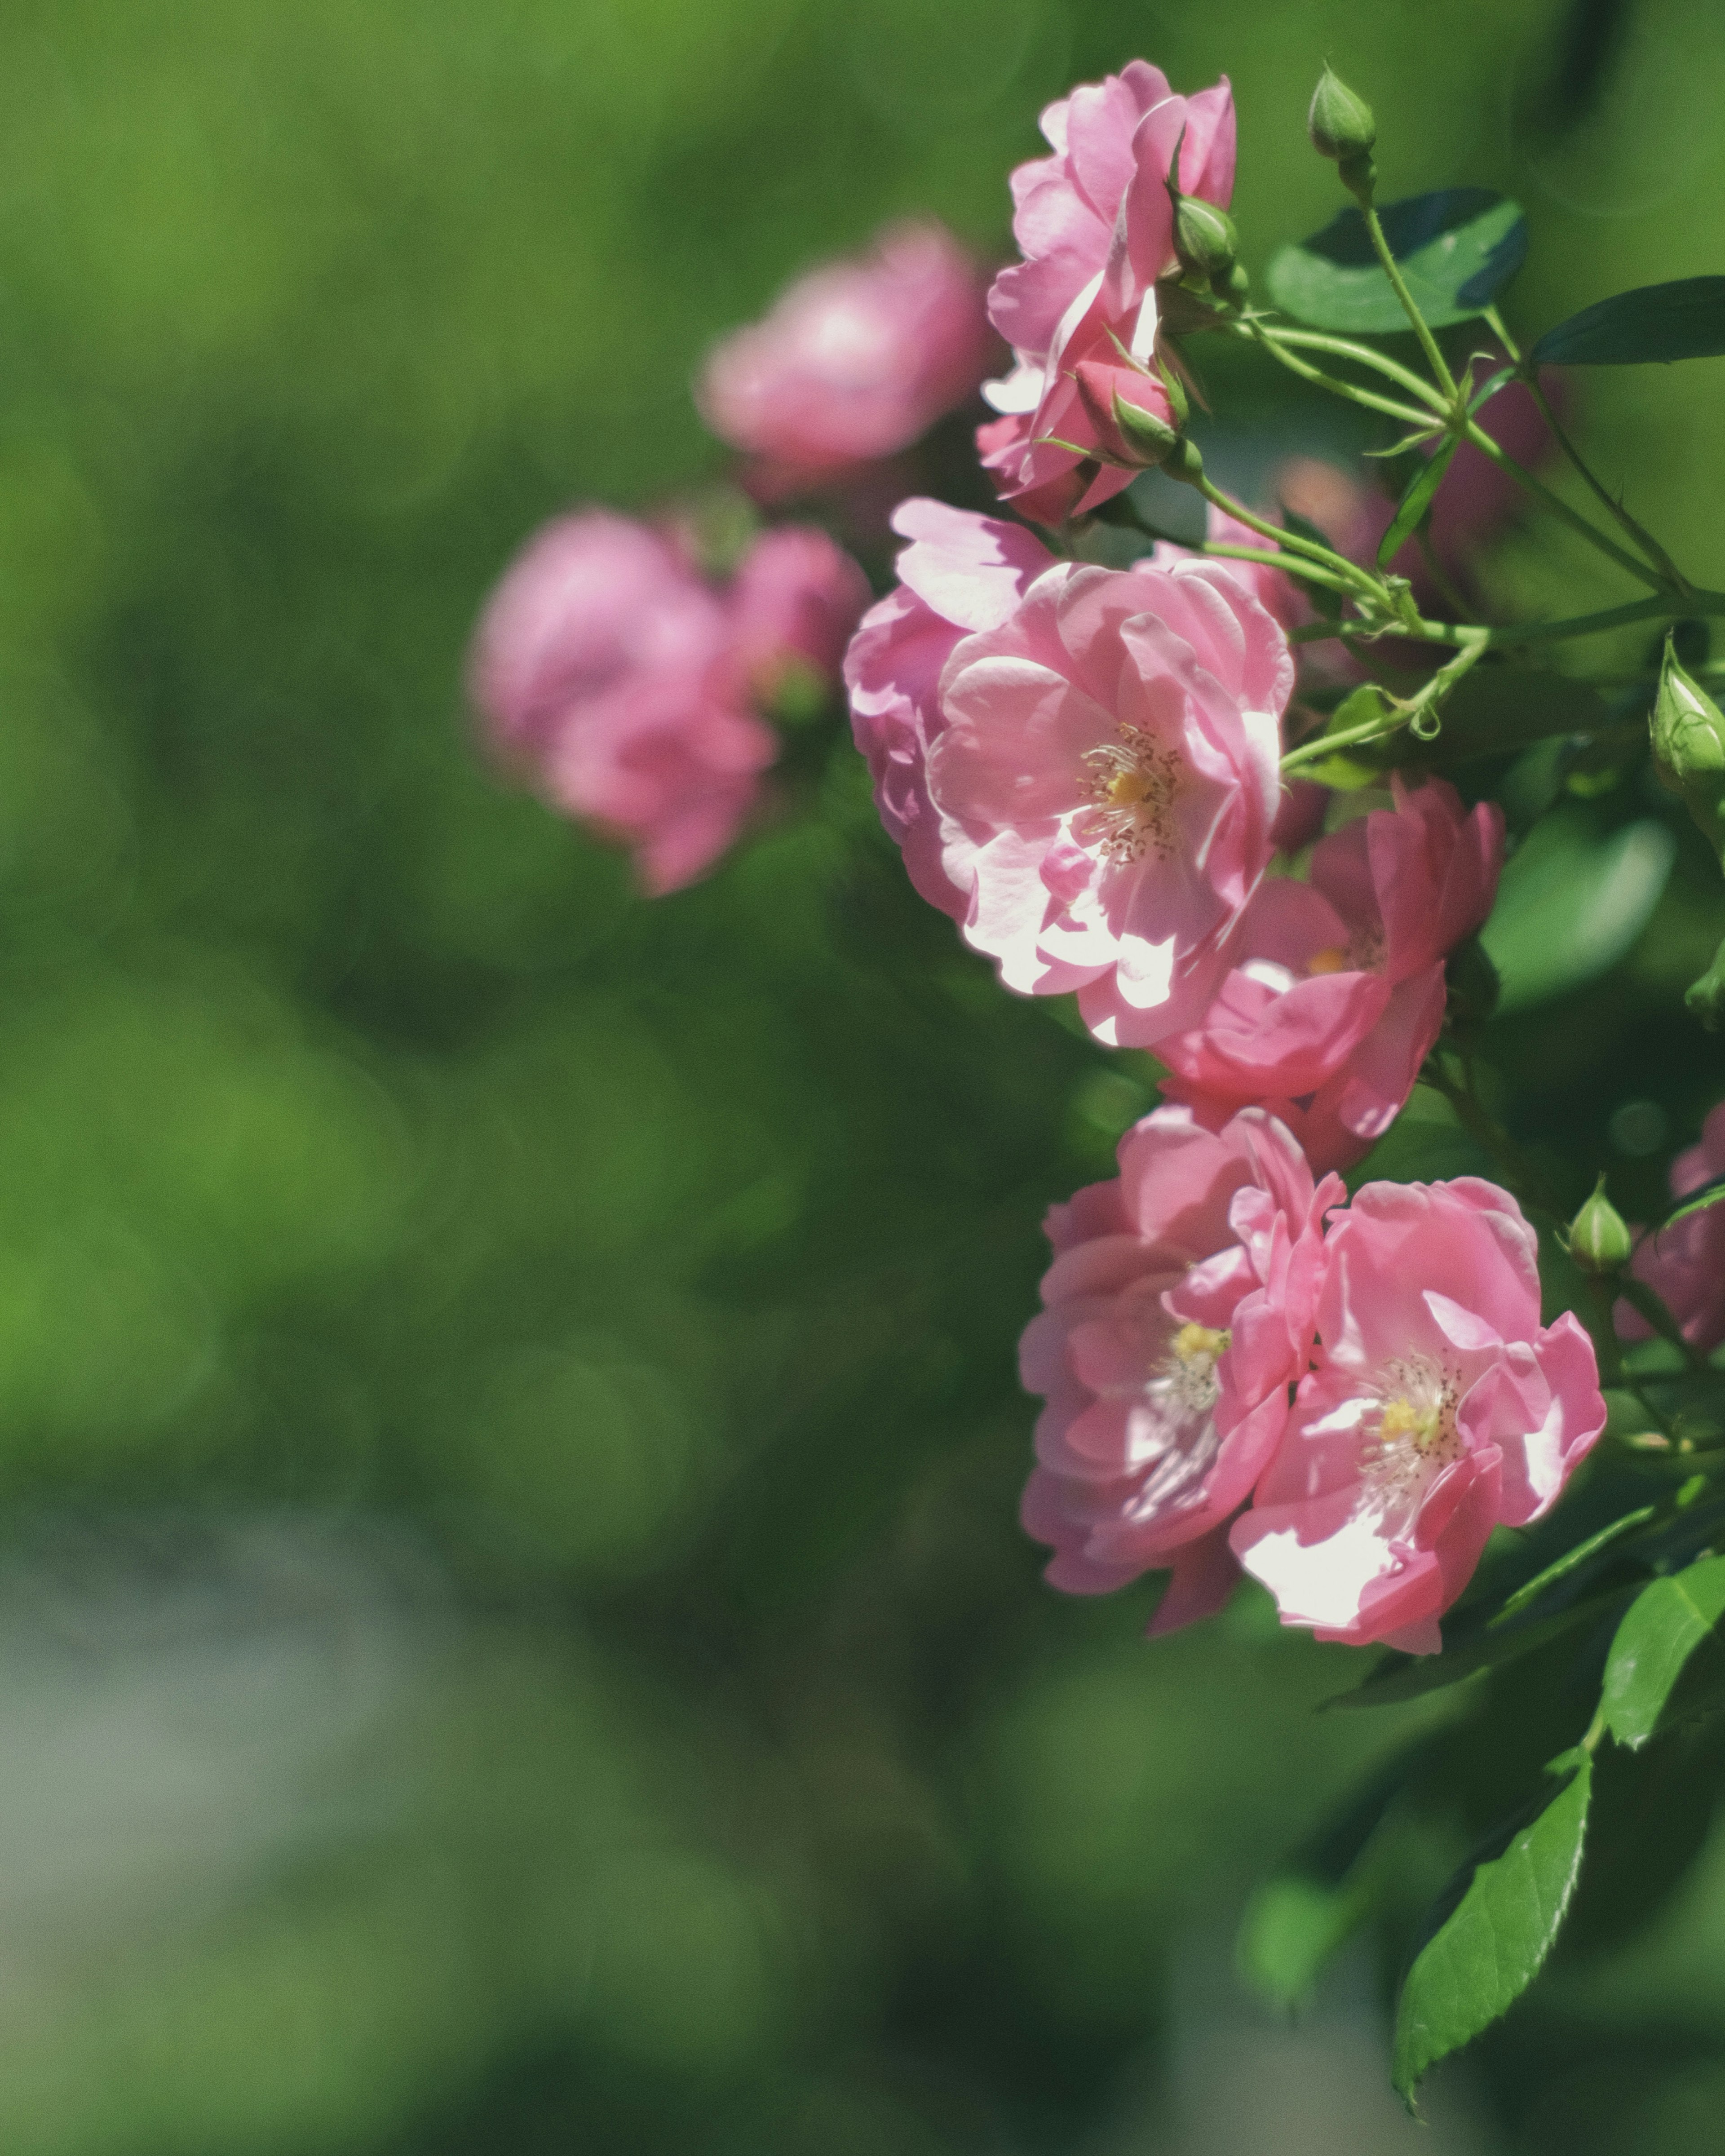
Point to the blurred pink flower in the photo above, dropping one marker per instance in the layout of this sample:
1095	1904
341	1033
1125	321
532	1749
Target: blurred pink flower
794	600
621	681
855	360
1178	1310
1441	1410
1104	778
1335	994
961	572
1096	226
1686	1265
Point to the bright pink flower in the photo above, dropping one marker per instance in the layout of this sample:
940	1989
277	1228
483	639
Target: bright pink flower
1336	988
1096	226
796	597
1300	817
1101	202
1178	1310
855	360
962	572
1106	778
1441	1409
1686	1265
622	681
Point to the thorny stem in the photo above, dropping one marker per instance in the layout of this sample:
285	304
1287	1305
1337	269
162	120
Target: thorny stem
1643	538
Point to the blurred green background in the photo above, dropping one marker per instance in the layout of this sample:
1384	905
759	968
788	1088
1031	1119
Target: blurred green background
515	1637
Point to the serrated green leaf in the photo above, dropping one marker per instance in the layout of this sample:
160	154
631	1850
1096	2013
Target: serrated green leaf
1456	249
1709	1194
1399	1677
1503	1913
1416	500
1573	1560
1666	1626
1655	324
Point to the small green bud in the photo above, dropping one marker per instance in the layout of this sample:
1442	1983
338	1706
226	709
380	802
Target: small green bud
1150	439
1341	126
1599	1240
1705	997
1688	735
1205	238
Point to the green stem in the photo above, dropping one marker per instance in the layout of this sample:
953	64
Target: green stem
1427	698
1560	509
1291	565
1335	565
1643	538
1362	354
1392	268
1649	1304
1271	342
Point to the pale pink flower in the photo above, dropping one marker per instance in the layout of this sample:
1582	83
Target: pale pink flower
1095	223
622	682
855	360
1178	1310
962	572
1441	1409
1685	1265
793	602
1336	991
1101	202
1104	778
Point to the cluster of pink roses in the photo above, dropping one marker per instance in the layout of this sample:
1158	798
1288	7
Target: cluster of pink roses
629	685
1082	766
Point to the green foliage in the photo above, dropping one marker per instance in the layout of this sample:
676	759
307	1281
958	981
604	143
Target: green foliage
1656	323
1494	1926
1416	500
1573	901
1457	249
1667	1634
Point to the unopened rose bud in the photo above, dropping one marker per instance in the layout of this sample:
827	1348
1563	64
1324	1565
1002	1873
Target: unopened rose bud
1599	1240
1205	240
1341	126
1137	421
1688	734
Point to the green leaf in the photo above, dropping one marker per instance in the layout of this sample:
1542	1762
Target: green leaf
1457	249
1666	1624
1416	500
1655	323
1350	768
1494	1926
1410	1676
1530	1590
1710	1193
1573	901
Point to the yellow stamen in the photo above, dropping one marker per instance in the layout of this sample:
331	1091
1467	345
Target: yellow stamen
1126	788
1193	1341
1331	960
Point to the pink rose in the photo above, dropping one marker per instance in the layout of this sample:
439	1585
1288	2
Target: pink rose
1686	1265
1178	1310
1101	200
1104	778
622	681
795	598
1336	991
1096	226
1441	1409
961	572
855	360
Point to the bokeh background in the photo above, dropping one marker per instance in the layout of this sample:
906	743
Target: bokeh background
513	1635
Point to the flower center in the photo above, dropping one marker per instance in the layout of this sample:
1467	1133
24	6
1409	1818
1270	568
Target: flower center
1410	1435
1131	785
1189	1368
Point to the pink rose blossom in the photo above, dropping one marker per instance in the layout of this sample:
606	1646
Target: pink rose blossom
962	572
1441	1409
1104	778
855	360
794	600
622	681
1178	1310
1336	993
1685	1265
1096	226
